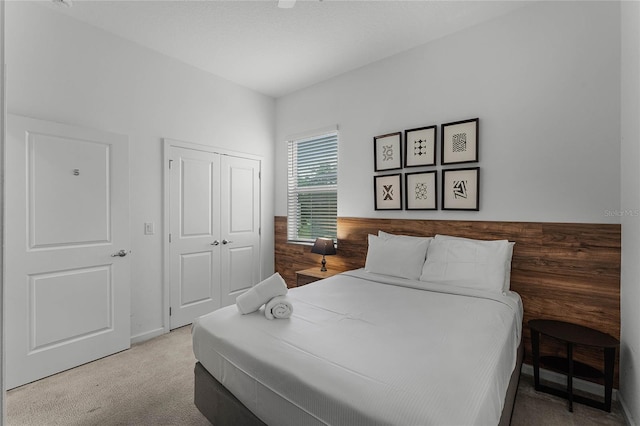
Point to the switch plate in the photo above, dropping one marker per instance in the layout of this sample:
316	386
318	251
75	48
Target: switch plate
149	228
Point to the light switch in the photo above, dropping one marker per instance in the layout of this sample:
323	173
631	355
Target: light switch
149	228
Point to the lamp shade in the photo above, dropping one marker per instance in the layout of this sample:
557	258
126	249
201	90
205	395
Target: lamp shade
323	246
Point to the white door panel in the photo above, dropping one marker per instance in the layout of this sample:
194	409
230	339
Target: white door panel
77	199
196	278
48	292
214	209
196	216
194	226
240	221
241	276
67	213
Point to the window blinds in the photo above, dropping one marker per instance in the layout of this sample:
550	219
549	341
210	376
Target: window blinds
312	193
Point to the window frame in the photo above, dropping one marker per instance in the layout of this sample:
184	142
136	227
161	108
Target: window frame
302	163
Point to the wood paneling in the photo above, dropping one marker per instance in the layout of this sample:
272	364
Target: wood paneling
562	271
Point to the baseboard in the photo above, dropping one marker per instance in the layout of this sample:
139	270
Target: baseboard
139	338
561	379
625	412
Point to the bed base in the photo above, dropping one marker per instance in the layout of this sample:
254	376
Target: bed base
221	408
512	390
219	405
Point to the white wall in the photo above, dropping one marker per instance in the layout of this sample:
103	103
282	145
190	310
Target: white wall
555	90
2	137
545	83
630	185
66	71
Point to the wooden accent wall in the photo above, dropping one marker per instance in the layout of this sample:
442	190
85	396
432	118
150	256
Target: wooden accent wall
562	271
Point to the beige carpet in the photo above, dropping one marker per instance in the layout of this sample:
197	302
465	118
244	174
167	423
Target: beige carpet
536	409
152	384
149	384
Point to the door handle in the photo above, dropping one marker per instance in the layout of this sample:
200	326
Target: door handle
225	241
215	243
121	253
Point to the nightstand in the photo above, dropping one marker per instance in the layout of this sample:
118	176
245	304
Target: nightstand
573	334
310	275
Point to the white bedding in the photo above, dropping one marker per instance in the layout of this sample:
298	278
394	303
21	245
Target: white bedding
365	349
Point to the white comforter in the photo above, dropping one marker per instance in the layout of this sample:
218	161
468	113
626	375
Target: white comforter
364	349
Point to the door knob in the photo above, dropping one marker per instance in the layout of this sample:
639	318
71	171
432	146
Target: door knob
225	241
121	253
215	243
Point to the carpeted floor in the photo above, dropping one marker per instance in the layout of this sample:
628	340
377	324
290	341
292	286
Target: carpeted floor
149	384
152	384
536	409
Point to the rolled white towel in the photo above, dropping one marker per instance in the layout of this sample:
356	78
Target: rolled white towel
279	307
252	299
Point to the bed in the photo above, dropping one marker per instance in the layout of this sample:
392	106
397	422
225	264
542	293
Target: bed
366	348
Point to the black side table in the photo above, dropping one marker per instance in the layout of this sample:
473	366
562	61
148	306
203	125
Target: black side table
573	334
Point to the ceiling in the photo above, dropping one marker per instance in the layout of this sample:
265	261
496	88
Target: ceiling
277	51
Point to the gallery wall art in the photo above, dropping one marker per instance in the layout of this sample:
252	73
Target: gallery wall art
461	189
420	190
420	147
388	192
387	152
460	142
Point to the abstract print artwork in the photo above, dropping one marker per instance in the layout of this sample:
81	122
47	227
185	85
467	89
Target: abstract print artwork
388	192
420	147
461	189
387	151
460	142
421	191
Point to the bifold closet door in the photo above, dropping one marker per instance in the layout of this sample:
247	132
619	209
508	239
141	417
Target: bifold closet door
214	231
240	226
195	234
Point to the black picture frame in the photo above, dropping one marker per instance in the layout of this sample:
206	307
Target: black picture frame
421	190
460	142
388	192
420	146
387	152
461	189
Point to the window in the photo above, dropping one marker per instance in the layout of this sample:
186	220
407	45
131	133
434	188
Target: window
312	193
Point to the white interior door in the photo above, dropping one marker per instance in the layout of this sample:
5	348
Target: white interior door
195	234
240	226
66	216
214	228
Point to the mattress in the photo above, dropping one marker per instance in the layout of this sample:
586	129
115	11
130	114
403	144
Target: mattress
365	349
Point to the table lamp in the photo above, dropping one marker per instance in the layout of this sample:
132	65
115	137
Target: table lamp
325	247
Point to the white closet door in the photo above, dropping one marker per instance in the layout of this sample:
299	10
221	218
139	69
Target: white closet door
195	234
240	219
67	218
214	209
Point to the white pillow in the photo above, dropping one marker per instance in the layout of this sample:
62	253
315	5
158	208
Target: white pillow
386	235
464	262
397	257
498	245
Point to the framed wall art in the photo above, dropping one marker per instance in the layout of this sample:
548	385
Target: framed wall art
461	189
420	147
387	151
460	142
421	191
388	192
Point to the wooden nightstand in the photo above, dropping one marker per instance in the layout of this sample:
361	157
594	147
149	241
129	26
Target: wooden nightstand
310	275
573	334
